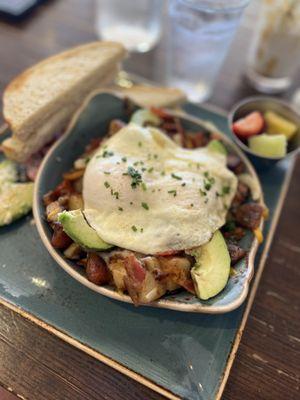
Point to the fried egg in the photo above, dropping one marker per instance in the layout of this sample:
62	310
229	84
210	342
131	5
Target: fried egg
145	193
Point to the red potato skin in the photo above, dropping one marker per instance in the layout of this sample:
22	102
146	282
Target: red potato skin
60	240
249	215
251	125
96	270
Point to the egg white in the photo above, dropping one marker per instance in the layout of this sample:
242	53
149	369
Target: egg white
170	209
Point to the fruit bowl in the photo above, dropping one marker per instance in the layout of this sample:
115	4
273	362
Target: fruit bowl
264	104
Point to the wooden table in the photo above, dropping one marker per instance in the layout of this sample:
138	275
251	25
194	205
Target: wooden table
268	360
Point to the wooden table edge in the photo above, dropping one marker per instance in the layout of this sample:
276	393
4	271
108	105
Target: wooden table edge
141	379
258	275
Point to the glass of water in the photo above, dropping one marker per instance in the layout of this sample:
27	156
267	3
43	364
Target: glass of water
200	33
135	23
274	56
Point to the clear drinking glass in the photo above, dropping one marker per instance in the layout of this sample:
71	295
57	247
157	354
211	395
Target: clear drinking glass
200	33
274	56
135	23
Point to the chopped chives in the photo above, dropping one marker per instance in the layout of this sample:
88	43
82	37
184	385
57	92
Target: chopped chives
176	177
145	206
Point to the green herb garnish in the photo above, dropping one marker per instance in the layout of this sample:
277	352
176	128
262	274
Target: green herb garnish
176	177
134	228
135	176
120	209
106	184
225	190
107	153
145	206
173	192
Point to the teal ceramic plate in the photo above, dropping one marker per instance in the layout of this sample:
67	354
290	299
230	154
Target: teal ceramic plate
179	355
92	121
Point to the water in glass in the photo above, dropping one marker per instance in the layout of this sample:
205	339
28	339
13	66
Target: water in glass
136	24
200	33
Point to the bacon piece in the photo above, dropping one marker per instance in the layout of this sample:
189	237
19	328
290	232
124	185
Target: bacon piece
140	283
161	113
134	269
169	253
65	188
189	286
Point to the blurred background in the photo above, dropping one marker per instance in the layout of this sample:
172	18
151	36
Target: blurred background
202	46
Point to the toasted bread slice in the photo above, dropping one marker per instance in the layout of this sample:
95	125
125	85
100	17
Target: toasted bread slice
147	96
59	81
20	150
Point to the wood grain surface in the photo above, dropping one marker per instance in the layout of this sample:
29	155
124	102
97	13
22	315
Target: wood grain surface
36	365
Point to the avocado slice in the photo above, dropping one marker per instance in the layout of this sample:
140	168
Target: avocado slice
15	201
8	172
211	271
217	146
140	117
76	226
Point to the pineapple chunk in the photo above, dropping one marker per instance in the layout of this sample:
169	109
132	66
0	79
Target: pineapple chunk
279	125
268	145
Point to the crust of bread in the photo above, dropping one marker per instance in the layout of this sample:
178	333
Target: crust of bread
20	150
43	89
147	96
